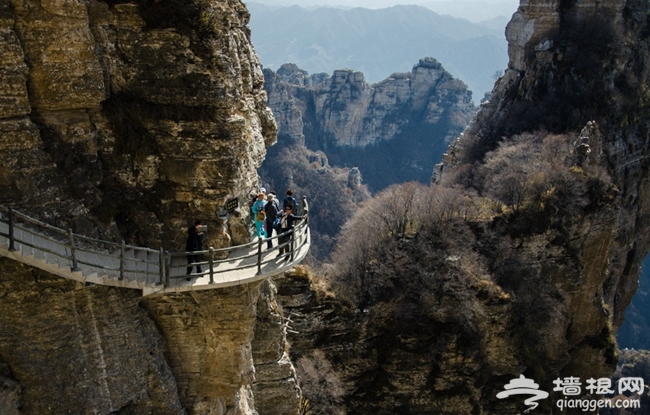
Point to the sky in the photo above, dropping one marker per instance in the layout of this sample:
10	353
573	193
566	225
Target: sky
473	10
376	4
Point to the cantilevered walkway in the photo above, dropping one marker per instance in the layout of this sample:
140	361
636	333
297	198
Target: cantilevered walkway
89	260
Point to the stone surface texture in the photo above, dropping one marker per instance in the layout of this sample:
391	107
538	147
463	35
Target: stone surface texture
350	112
128	119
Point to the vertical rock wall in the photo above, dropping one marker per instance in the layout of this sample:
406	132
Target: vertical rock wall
208	336
65	348
82	351
131	117
128	120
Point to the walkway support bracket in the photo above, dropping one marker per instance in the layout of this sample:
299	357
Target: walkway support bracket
161	266
73	256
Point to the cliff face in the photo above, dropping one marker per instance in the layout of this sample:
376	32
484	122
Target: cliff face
400	123
129	117
69	349
572	63
128	120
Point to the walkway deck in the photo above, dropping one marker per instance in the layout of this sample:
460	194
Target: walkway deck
89	260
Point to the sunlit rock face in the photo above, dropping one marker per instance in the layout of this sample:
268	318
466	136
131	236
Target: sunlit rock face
129	120
352	112
65	348
572	63
389	130
530	28
126	117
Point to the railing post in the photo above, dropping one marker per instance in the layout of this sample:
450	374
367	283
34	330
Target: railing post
12	246
72	251
122	255
293	237
259	256
161	266
146	265
167	268
211	265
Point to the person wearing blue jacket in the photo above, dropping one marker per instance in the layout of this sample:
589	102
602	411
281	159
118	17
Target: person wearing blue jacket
259	214
290	200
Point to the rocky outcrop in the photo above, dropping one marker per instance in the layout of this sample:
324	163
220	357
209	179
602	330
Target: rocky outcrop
572	70
127	118
400	123
66	348
276	387
69	350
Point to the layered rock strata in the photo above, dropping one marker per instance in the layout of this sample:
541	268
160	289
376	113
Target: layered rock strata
128	120
65	348
400	123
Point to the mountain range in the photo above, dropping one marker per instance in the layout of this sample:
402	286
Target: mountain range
378	42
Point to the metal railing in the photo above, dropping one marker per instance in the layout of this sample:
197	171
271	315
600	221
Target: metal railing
139	265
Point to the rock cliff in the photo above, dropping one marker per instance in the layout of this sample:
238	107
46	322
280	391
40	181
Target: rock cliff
70	349
399	124
128	120
581	68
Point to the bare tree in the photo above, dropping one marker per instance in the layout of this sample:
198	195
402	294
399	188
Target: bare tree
321	385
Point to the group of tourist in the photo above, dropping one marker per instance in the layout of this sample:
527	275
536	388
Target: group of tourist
268	216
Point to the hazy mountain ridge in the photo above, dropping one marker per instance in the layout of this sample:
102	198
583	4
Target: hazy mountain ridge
377	42
392	130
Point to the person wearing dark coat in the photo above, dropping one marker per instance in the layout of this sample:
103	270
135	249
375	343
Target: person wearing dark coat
290	200
272	210
194	243
287	220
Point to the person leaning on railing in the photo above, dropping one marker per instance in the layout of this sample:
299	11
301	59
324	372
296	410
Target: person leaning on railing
287	219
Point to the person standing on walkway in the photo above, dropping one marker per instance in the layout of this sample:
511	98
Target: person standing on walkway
259	214
287	219
194	243
272	211
276	200
290	200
